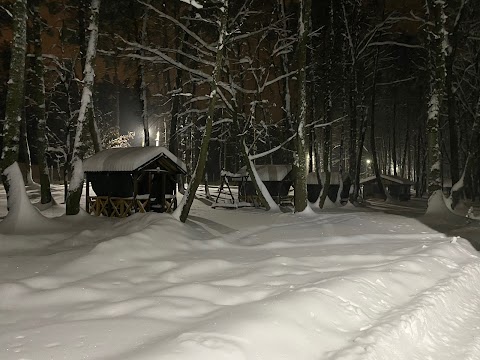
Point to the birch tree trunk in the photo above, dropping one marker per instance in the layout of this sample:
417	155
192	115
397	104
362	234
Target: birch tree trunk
76	184
15	90
90	115
438	47
183	209
300	161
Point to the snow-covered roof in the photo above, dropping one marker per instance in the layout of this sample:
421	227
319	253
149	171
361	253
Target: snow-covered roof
269	172
395	179
335	178
129	159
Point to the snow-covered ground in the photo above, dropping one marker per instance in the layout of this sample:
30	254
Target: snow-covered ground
240	284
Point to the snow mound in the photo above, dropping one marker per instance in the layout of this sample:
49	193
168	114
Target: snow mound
329	204
241	285
437	205
22	216
308	211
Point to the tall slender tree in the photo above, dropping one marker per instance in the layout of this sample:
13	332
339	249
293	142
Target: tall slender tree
184	207
76	184
300	160
438	49
38	98
327	130
15	90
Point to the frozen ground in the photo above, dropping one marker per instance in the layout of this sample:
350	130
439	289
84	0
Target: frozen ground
345	283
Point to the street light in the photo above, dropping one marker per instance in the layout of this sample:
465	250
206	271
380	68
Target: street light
367	168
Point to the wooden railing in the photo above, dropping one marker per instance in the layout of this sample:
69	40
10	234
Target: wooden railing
123	207
116	206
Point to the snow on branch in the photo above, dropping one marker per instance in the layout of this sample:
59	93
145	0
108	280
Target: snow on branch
397	43
193	3
9	13
167	59
272	150
396	81
317	126
180	25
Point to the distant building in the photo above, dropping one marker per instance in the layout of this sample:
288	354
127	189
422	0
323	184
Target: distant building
336	178
397	187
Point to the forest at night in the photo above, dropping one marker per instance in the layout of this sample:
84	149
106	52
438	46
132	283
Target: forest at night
240	179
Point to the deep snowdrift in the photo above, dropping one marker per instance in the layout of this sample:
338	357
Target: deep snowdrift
244	284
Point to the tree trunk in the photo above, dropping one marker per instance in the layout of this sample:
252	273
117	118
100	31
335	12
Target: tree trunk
143	81
327	131
93	129
376	167
15	90
76	184
286	82
91	120
24	149
405	150
184	208
450	95
262	192
300	161
361	142
353	126
394	134
438	45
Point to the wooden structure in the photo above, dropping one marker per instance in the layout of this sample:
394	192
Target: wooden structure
278	180
129	180
225	197
397	187
336	178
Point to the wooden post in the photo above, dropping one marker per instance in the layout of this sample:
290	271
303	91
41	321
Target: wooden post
87	194
135	191
150	178
162	191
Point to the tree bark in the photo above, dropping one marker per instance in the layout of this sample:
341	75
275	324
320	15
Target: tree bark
376	167
406	151
438	44
93	129
394	134
327	131
143	81
76	184
300	160
15	90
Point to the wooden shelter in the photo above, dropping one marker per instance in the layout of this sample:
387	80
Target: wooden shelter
397	187
277	179
336	178
129	180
